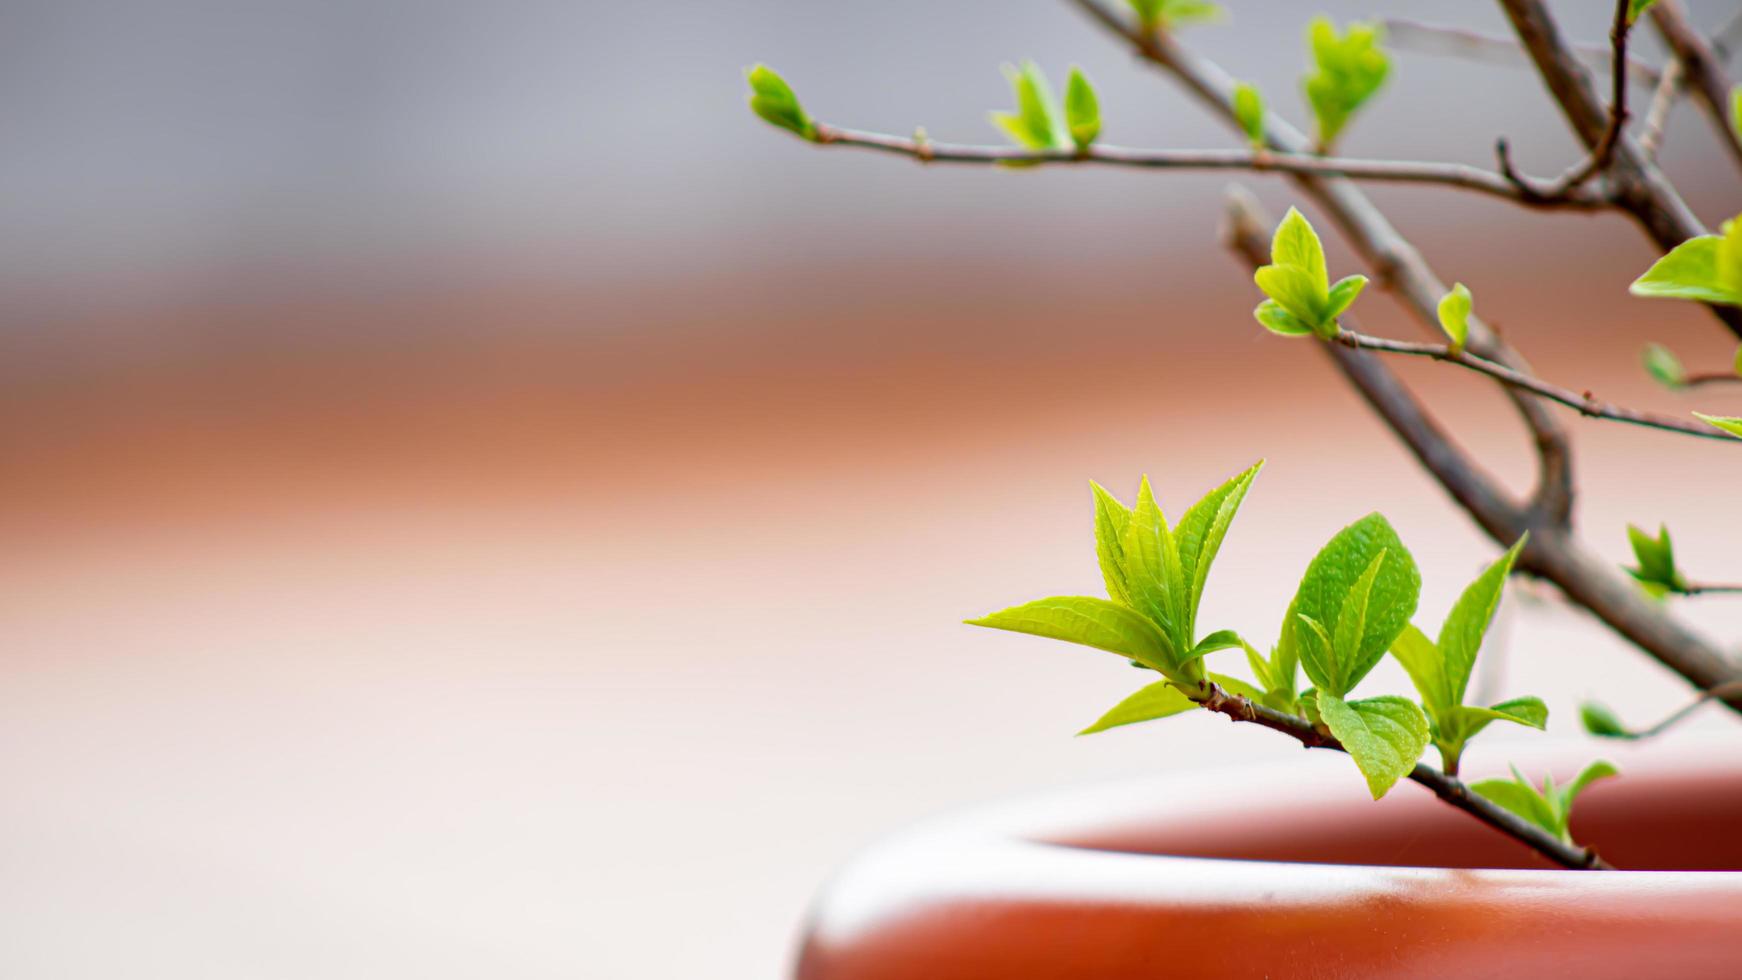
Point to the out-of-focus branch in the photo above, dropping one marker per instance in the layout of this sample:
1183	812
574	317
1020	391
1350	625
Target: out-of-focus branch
1603	152
1584	402
1641	188
1455	175
1492	49
1449	789
1705	70
1662	101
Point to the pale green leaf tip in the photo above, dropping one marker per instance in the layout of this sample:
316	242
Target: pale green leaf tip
1732	425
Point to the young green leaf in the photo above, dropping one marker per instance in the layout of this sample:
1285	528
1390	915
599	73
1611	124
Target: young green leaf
1166	14
1082	110
1324	599
1706	269
1656	570
1152	568
1279	321
1348	69
1441	671
1637	7
1159	700
1732	425
1455	315
1550	807
1737	365
1298	284
773	100
1091	622
1038	122
1111	519
1465	626
1201	530
1664	367
1249	113
1602	722
1736	113
1384	735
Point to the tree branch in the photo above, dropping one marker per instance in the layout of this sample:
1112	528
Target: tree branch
1397	171
1584	402
1492	49
1603	153
1447	788
1705	71
1641	188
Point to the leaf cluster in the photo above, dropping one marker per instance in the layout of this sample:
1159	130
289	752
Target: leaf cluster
1040	121
1655	570
1302	299
1348	69
773	99
1549	807
1353	605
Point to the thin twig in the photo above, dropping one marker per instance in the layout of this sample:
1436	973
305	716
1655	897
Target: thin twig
1584	402
1642	189
1496	50
1704	588
1447	788
1397	171
1707	78
1711	378
1721	691
1603	153
1662	101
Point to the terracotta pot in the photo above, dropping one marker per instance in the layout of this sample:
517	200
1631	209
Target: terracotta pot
1293	872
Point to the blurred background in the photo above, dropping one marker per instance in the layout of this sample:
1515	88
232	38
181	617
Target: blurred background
479	503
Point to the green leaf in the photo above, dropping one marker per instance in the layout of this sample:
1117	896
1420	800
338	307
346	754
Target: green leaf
1296	244
1082	110
1601	769
1455	315
1091	622
1730	424
1152	14
1259	666
1736	114
1038	122
1151	564
1737	365
1325	587
1111	519
1637	7
773	100
1600	721
1249	113
1384	735
1467	623
1219	640
1159	700
1461	722
1343	294
1664	367
1426	668
1348	69
1656	556
1292	287
1690	271
1202	528
1279	321
1523	799
1351	623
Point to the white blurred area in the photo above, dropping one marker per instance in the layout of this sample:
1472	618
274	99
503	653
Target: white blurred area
481	505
